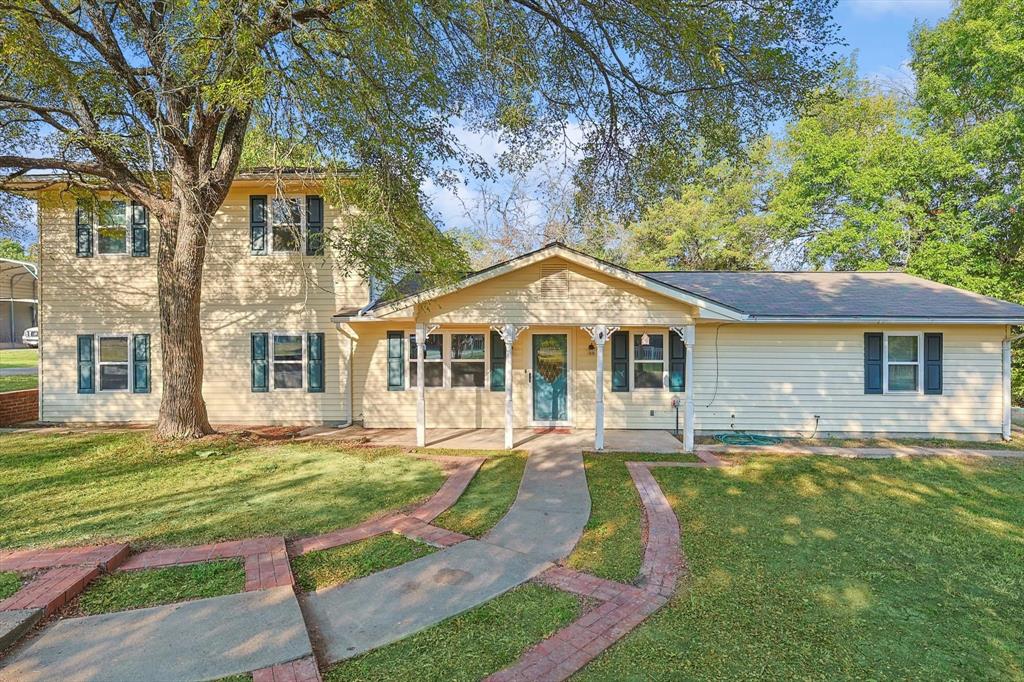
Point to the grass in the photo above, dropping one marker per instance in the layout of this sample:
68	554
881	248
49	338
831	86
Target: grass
1016	442
329	567
612	545
102	486
488	496
468	646
18	383
19	357
10	583
818	568
152	587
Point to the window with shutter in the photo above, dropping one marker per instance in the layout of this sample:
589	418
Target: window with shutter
620	361
83	230
872	362
933	364
140	230
396	361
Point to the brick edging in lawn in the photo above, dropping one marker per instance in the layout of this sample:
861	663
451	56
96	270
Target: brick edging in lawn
623	606
301	670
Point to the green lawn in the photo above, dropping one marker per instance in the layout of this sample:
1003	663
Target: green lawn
18	383
104	486
819	568
329	567
612	545
469	646
152	587
19	357
10	583
489	495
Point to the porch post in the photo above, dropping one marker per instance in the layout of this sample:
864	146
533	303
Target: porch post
508	333
689	336
599	334
421	394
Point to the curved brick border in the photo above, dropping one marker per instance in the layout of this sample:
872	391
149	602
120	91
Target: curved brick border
623	606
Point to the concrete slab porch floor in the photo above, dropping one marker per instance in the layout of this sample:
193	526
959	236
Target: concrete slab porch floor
615	440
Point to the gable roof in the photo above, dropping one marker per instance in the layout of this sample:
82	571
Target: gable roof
840	295
761	296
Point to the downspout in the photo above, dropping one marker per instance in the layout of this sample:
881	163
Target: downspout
1007	394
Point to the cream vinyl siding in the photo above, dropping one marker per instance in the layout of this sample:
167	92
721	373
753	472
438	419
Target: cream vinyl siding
242	293
775	378
553	291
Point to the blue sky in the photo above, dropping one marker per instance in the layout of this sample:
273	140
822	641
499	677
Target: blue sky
878	30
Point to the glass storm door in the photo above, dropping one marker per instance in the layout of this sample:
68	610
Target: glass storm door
550	380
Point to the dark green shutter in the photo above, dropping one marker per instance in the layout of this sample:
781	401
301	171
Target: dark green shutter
933	364
140	363
83	231
497	362
86	364
620	361
396	361
140	230
260	376
676	363
314	226
315	363
872	362
258	225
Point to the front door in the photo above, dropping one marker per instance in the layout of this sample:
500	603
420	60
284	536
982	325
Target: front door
550	377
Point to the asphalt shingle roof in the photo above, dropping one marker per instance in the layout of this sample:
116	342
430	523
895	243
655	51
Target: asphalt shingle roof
838	294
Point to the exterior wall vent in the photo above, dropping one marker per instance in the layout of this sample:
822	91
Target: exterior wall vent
554	282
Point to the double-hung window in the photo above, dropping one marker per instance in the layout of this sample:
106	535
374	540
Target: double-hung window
648	361
286	216
114	363
287	352
112	228
902	358
433	361
468	362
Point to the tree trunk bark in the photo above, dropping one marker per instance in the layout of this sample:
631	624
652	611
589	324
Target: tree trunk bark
180	281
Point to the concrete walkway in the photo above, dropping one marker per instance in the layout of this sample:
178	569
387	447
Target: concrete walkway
198	640
19	371
543	525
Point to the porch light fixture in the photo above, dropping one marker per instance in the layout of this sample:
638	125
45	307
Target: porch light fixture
591	349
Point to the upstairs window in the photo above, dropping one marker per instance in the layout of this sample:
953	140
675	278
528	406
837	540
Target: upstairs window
287	354
469	364
433	361
286	224
112	228
113	363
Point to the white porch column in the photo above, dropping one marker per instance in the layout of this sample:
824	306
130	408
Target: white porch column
599	333
689	336
422	332
508	333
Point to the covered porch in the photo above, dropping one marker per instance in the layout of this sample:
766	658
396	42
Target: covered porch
616	440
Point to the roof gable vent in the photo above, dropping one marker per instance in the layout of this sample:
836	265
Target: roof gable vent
554	282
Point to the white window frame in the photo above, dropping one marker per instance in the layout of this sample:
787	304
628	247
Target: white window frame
919	363
302	224
99	363
447	360
451	359
272	383
127	229
633	361
409	373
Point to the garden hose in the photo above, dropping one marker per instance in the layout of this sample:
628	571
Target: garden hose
747	439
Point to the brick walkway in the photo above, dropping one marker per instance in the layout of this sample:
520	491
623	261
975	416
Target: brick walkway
65	574
302	670
622	607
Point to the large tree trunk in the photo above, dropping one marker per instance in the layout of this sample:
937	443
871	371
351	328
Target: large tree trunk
180	281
